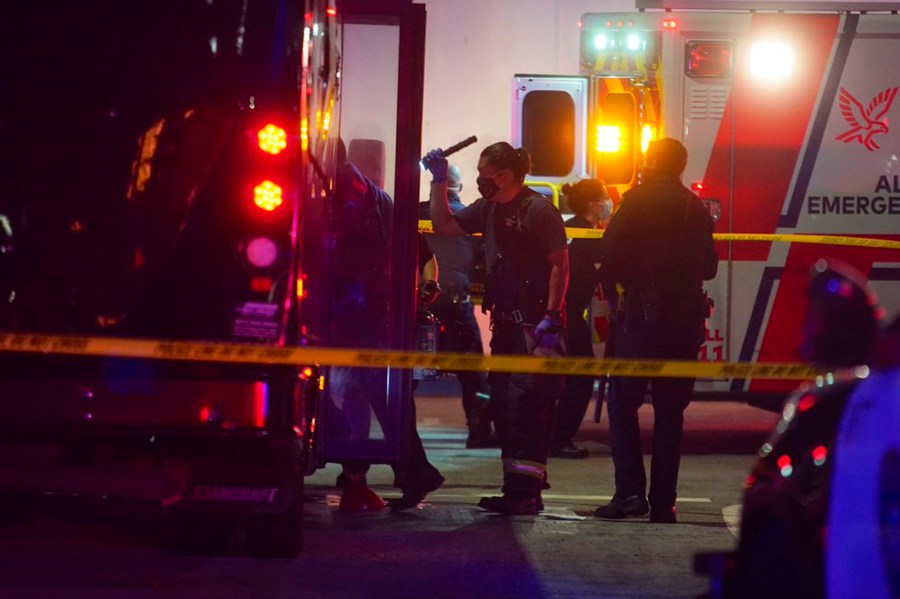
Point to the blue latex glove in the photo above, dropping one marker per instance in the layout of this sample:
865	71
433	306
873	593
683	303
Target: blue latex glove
435	162
547	333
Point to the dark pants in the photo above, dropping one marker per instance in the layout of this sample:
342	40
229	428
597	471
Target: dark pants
674	341
576	394
524	405
462	335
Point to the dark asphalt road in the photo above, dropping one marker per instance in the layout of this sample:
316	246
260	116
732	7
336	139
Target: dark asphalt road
446	548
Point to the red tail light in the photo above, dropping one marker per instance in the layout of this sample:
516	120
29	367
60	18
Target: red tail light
268	195
272	139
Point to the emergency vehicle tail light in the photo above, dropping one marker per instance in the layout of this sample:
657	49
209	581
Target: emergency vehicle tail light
261	284
304	134
708	59
261	252
609	139
647	135
301	288
272	139
601	41
268	195
618	138
771	60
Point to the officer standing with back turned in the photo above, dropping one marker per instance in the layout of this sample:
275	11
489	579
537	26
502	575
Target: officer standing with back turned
527	274
658	250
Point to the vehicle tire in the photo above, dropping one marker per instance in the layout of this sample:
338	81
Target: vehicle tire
218	534
276	534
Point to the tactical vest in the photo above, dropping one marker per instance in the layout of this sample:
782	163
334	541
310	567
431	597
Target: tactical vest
518	275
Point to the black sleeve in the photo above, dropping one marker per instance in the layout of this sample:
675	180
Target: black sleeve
471	218
615	250
425	253
549	229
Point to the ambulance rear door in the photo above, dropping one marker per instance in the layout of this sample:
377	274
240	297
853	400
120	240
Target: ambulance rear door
549	119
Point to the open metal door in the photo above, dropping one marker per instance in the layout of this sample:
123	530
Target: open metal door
369	298
550	121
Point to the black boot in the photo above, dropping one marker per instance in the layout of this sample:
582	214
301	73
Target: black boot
478	420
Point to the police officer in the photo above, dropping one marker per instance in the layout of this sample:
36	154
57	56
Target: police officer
528	270
658	250
591	204
458	256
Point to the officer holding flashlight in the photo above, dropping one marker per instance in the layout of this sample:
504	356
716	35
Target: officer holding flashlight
527	274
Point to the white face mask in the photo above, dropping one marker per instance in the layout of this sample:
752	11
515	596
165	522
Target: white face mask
605	208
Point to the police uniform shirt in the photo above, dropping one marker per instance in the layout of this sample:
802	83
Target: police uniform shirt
663	227
456	254
540	220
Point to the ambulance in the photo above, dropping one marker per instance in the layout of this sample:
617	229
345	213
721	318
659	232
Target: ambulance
792	124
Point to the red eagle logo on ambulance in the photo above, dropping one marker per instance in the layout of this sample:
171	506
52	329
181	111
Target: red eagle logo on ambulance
865	123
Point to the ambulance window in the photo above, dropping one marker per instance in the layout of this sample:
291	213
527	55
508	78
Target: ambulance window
708	59
548	132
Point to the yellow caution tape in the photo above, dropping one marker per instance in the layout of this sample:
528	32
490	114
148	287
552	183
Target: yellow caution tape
121	347
579	233
806	238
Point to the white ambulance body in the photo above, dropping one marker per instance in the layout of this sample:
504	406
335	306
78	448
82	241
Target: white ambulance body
792	125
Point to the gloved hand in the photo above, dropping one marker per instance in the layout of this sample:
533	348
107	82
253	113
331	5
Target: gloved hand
435	162
547	332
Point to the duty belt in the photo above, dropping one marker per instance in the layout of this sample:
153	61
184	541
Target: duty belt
515	316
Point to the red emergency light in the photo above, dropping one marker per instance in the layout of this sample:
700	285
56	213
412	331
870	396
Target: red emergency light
670	23
268	195
698	186
272	139
709	59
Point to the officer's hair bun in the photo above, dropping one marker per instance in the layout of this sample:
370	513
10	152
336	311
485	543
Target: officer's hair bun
524	160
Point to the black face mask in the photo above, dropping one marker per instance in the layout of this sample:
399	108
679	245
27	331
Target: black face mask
487	187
